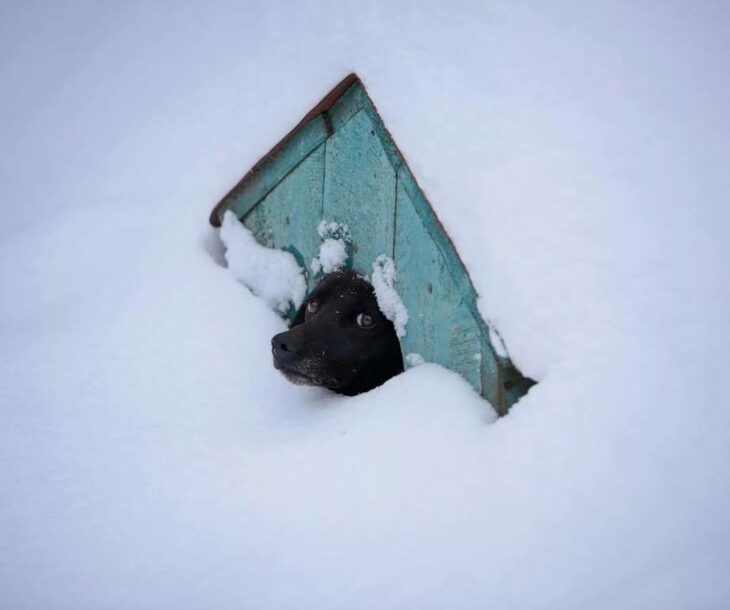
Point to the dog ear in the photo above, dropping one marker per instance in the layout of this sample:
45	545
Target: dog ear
299	318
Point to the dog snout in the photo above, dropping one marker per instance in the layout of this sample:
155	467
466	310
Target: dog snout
283	347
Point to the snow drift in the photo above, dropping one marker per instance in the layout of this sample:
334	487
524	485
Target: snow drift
273	275
151	455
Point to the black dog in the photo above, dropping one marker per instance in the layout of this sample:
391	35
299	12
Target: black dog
339	339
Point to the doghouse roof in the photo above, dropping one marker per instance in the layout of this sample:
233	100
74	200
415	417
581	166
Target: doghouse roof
248	181
341	164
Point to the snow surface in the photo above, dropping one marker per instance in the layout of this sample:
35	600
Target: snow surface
383	279
151	455
273	275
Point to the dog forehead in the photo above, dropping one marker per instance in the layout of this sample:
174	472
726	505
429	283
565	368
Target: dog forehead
343	285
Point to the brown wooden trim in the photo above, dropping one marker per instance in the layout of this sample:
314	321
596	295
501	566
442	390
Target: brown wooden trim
323	106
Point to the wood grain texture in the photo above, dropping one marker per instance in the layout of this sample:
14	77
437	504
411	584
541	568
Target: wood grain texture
287	218
257	184
441	328
359	189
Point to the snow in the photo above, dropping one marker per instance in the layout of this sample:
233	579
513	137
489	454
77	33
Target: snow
383	280
334	230
271	274
151	455
414	359
333	251
332	256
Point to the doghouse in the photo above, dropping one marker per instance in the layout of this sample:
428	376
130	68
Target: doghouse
340	164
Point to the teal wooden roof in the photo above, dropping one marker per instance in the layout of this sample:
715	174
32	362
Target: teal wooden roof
340	164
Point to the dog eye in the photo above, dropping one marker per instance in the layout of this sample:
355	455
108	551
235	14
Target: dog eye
364	320
312	307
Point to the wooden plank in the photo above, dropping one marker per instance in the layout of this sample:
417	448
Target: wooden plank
274	168
512	385
354	100
288	216
441	328
501	383
440	238
359	189
490	369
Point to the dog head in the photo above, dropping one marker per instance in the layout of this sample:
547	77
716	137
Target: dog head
339	338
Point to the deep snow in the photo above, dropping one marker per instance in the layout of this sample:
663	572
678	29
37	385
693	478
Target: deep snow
151	455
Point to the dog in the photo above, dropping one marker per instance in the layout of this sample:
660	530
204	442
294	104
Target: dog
339	338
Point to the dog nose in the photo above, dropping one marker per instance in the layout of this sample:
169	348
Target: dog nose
282	346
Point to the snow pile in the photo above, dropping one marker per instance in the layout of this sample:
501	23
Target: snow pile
332	256
333	251
389	301
270	274
151	456
334	230
414	359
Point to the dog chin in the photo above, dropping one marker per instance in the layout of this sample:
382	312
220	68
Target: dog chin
298	378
